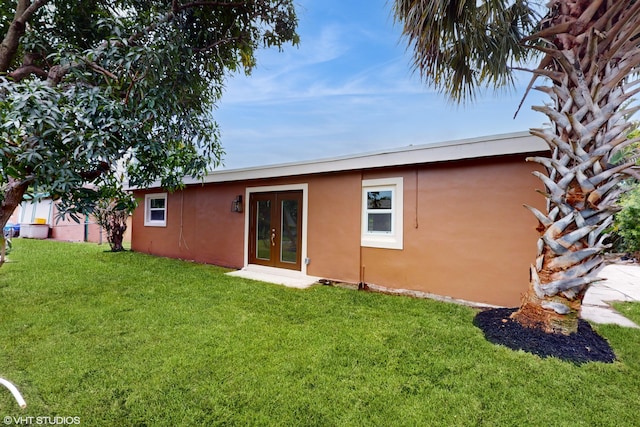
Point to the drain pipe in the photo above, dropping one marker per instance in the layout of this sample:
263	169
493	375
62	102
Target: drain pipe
15	392
362	285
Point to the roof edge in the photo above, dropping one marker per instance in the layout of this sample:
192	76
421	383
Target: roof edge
470	148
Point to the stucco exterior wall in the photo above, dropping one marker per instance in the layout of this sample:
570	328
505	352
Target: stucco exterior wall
85	231
334	226
70	231
200	226
466	234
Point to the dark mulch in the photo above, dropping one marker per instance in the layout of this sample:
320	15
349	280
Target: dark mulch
581	347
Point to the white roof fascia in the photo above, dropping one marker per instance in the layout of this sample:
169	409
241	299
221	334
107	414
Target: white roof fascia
489	146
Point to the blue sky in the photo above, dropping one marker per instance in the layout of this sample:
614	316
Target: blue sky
349	88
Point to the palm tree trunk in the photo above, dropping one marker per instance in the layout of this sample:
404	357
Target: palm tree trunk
581	190
591	55
582	185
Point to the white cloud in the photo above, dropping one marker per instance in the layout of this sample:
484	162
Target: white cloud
348	88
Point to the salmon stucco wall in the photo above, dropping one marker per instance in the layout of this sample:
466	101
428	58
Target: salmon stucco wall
334	226
70	231
64	228
466	232
84	231
200	226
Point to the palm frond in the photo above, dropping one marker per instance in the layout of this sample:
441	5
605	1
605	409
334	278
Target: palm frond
461	45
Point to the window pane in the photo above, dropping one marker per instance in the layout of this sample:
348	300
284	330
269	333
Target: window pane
379	199
263	235
156	203
155	210
156	215
382	213
289	229
379	222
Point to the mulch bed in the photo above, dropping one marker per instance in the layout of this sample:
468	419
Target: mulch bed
581	347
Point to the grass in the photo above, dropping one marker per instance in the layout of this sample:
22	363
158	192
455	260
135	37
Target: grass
630	310
132	340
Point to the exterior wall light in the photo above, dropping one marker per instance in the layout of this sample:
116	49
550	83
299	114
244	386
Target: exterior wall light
236	205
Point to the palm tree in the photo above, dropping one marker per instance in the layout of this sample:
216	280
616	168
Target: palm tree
587	55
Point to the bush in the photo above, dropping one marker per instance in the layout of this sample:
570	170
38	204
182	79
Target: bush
112	216
627	224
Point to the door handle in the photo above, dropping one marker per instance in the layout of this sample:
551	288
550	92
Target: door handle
273	237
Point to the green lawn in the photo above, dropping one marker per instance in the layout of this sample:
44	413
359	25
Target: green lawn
123	339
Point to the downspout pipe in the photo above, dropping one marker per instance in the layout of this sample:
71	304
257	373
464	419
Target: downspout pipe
361	284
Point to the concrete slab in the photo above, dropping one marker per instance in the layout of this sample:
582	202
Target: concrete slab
621	282
289	278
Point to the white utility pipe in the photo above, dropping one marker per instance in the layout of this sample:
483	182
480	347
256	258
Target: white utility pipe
15	392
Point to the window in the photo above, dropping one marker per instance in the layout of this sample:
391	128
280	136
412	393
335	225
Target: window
382	213
155	210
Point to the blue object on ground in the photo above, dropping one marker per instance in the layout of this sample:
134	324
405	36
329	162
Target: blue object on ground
15	227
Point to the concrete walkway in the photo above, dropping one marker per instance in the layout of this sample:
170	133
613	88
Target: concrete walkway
278	276
622	284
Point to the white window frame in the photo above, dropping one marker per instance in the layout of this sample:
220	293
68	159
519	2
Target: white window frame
394	239
148	222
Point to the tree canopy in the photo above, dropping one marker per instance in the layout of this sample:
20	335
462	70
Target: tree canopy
460	46
91	88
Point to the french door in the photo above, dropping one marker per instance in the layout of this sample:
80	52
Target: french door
275	230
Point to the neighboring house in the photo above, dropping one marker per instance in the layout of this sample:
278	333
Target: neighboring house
43	210
445	218
13	219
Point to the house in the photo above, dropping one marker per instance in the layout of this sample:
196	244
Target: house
445	219
39	218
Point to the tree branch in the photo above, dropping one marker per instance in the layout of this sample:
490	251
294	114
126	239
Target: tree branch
101	70
193	4
91	175
26	70
217	43
56	73
24	11
33	8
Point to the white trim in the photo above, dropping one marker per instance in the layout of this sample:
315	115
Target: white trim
394	239
487	146
148	222
305	209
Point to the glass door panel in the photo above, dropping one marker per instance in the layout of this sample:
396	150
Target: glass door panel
263	230
289	231
275	231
